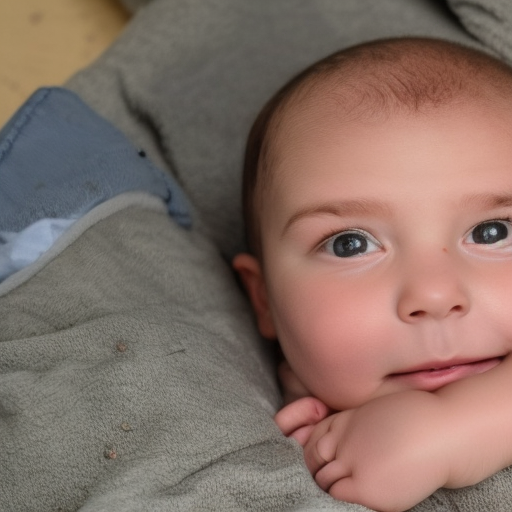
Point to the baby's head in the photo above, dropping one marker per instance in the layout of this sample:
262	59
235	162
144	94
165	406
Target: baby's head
378	197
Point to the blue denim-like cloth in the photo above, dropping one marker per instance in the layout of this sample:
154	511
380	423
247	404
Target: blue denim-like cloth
59	159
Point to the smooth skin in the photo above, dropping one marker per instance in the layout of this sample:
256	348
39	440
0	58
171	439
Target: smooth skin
386	276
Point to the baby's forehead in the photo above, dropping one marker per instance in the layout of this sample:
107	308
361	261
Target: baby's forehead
309	132
330	99
408	160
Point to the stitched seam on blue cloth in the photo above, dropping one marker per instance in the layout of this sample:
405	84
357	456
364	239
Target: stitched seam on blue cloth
24	119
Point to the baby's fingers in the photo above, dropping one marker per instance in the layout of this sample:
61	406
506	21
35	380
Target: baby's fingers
318	452
331	475
304	412
344	489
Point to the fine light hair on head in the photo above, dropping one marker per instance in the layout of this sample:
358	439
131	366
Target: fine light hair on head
367	81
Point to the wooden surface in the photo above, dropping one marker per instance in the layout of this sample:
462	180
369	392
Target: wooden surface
43	42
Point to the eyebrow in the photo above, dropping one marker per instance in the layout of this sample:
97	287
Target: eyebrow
379	208
341	209
487	200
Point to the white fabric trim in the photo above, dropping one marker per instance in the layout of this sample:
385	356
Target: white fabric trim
18	250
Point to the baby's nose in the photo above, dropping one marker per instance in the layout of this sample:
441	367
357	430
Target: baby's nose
432	290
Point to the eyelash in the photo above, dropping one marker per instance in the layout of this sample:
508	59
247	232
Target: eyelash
504	219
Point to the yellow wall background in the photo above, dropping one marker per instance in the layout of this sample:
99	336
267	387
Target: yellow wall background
43	42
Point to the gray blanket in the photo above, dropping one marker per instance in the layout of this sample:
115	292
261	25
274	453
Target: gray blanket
132	377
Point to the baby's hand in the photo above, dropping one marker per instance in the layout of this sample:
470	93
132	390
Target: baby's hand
388	454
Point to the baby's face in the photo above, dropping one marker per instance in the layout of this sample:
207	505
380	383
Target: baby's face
387	249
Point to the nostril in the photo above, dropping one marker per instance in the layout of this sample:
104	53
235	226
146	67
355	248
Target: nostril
421	313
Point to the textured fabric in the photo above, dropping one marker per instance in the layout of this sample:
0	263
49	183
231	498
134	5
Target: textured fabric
59	159
490	21
132	377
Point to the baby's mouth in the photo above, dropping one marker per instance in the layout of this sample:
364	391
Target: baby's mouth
432	376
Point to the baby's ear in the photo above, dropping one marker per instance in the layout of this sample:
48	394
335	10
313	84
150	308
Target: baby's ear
249	270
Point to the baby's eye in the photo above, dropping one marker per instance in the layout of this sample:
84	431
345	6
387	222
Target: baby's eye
351	243
490	233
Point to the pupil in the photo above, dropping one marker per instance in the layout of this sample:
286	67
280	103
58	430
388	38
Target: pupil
348	245
490	233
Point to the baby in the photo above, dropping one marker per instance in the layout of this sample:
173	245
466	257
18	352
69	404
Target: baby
378	206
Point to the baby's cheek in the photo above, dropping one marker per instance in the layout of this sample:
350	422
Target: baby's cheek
316	362
326	335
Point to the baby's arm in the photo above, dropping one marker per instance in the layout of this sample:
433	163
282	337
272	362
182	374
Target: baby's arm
394	451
